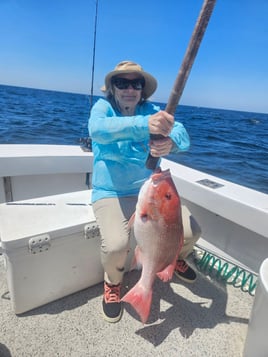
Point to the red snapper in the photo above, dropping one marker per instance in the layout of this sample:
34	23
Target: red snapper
159	234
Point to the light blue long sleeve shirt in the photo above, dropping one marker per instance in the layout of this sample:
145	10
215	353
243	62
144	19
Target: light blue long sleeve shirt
120	145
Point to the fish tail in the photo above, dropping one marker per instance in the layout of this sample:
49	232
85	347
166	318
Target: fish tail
140	299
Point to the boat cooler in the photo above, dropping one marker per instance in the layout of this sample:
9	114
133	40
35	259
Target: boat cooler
51	248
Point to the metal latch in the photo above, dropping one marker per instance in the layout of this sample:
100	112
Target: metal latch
91	230
39	244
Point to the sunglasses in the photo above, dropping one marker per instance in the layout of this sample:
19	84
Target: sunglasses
124	83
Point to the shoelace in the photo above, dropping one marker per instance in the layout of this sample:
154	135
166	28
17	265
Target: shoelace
181	266
111	293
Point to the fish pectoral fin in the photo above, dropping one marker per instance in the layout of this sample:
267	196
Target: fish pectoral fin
167	273
131	221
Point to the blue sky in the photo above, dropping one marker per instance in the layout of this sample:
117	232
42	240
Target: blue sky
48	44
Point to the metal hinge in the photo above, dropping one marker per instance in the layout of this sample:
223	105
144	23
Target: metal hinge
91	230
39	244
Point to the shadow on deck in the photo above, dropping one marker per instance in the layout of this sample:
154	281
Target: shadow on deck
204	318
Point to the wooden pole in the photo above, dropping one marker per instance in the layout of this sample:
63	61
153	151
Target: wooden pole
190	55
186	67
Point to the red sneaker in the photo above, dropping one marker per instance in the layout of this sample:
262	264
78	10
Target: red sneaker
111	304
184	272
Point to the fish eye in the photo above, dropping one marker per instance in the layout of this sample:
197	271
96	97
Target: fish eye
144	217
168	196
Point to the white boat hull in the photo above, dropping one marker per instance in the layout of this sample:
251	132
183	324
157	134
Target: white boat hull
234	225
233	218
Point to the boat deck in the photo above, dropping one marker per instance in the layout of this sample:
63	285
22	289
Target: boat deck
207	318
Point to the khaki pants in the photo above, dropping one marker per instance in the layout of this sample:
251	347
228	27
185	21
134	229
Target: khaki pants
112	215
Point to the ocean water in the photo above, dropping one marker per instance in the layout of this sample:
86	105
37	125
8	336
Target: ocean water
230	144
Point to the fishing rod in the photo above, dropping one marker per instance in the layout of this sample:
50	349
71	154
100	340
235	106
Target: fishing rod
185	69
86	142
94	51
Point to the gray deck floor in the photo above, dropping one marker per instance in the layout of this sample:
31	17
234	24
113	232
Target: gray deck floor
201	319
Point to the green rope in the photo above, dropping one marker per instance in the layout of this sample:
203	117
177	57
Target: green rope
234	275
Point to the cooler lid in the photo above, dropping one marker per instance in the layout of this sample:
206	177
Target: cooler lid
61	214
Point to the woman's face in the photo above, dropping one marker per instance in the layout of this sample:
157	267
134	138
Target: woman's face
128	97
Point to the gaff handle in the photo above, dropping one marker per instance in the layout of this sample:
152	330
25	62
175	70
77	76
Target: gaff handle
173	101
152	161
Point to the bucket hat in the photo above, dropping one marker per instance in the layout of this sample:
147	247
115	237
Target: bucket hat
126	67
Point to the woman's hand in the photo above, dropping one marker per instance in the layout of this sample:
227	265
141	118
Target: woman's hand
161	123
160	147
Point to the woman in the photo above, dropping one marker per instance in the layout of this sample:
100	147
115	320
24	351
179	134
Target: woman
120	128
